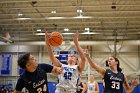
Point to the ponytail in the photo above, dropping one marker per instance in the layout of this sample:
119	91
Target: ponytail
118	65
118	68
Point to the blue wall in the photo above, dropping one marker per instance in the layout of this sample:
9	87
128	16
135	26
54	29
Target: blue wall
51	86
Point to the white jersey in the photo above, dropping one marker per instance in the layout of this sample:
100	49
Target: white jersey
91	87
68	80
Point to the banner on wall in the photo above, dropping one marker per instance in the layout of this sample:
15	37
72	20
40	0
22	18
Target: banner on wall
62	56
6	62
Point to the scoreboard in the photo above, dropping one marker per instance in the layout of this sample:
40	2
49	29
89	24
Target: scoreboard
62	56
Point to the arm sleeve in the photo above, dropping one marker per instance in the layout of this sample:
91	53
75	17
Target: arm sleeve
46	67
20	84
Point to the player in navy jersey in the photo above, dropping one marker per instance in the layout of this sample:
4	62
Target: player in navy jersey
34	78
81	86
68	79
114	79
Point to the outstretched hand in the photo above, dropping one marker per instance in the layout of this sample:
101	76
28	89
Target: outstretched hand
75	39
135	82
86	53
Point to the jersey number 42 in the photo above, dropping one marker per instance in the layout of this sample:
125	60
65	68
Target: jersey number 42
68	75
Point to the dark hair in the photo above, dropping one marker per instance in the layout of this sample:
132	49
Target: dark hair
118	65
22	61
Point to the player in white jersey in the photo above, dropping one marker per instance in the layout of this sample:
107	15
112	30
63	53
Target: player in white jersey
68	79
92	85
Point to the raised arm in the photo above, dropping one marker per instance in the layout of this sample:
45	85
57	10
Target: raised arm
50	53
128	88
81	65
99	69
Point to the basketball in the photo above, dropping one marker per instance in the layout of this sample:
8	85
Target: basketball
55	39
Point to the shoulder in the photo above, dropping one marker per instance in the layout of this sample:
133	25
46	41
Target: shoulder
108	70
21	78
23	75
121	74
45	67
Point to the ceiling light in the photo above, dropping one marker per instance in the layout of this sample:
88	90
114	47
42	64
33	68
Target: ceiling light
77	17
38	30
89	32
87	29
67	33
53	12
23	18
79	11
82	17
39	34
55	17
20	14
66	29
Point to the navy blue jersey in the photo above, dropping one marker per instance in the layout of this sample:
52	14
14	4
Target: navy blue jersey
113	82
79	90
35	82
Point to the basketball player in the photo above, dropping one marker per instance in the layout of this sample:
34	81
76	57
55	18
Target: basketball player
68	79
81	86
34	79
114	79
92	85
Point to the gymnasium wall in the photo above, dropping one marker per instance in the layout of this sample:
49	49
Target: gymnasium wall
129	56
